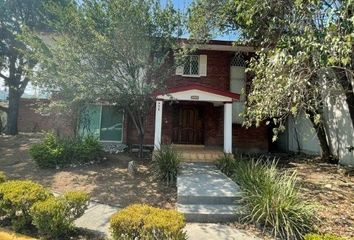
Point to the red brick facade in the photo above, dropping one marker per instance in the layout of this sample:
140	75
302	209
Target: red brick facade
31	120
218	76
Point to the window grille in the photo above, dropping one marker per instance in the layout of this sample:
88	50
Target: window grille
191	65
238	60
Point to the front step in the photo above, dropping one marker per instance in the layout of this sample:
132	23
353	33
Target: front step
210	213
198	199
204	194
198	153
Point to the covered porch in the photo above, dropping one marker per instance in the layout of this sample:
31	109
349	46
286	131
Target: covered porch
196	119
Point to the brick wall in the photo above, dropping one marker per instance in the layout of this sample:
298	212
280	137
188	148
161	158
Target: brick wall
218	76
31	120
251	139
218	72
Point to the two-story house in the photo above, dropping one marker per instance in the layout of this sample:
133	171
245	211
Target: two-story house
201	106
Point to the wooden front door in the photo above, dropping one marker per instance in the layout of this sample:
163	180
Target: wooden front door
188	127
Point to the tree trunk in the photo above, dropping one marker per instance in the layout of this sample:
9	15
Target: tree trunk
322	138
347	86
12	112
141	143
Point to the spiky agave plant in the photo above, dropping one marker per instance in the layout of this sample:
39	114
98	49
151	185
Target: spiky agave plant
166	162
272	200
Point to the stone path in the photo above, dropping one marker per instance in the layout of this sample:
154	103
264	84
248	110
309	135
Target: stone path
96	218
215	231
206	195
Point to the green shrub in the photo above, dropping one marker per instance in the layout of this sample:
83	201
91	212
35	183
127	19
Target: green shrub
167	163
16	199
146	222
50	152
77	201
226	164
3	177
90	149
313	236
272	199
54	217
53	152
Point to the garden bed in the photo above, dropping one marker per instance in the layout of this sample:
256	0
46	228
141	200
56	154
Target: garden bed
107	182
329	187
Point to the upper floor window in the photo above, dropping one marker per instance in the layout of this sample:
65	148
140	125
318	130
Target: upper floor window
194	66
191	65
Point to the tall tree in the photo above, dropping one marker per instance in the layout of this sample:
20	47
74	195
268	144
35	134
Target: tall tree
16	68
305	54
112	51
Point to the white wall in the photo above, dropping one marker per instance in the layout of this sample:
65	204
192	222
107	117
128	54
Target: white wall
340	129
301	134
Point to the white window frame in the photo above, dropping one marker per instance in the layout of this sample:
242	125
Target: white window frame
190	67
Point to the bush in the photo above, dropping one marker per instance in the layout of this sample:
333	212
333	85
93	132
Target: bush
272	199
76	201
53	152
226	164
146	222
167	163
47	153
90	149
324	237
16	199
3	177
54	217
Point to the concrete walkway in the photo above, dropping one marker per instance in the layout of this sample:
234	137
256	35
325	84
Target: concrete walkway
206	195
96	219
215	231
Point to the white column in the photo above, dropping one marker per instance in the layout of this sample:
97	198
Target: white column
228	127
158	124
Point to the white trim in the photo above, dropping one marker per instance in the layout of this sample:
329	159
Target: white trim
194	76
195	95
179	70
228	127
158	124
203	63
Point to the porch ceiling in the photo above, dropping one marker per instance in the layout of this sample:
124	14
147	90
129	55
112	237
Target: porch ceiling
196	92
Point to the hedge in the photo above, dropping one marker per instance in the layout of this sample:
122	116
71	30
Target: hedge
145	222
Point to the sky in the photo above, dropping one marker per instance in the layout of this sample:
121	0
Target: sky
183	6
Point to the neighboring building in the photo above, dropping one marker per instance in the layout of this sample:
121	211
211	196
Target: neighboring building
300	136
200	107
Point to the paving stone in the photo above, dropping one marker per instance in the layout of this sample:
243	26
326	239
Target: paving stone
96	218
212	231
